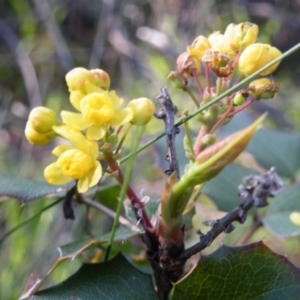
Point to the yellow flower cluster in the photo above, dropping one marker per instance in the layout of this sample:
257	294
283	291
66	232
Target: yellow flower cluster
98	110
237	39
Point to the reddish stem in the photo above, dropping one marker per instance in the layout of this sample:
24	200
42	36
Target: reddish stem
207	74
226	115
130	192
198	83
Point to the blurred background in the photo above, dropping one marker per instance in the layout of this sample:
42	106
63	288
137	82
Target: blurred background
137	43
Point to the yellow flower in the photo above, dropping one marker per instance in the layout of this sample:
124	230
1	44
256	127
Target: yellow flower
99	110
74	163
143	110
219	42
241	35
256	56
198	47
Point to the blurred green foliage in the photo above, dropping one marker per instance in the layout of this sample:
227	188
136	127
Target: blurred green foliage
137	43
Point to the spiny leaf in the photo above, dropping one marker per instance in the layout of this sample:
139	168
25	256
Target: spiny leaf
112	280
26	190
248	272
72	250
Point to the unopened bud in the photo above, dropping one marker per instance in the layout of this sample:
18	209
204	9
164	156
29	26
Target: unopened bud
264	88
41	119
76	79
209	139
185	63
38	138
239	99
177	81
241	35
143	110
256	56
198	47
101	78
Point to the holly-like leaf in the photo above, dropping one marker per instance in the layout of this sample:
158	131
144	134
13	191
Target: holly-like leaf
122	234
277	217
112	280
71	251
26	190
280	149
248	272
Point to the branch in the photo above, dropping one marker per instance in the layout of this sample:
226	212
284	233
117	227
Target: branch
255	193
123	221
167	114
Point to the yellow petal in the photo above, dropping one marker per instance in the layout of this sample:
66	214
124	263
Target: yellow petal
95	132
59	150
92	88
117	102
75	98
95	174
121	117
83	184
74	120
90	179
54	175
76	138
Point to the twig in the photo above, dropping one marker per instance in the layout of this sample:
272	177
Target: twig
167	114
109	212
258	189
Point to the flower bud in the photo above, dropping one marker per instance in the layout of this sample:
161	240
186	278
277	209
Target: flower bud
177	80
101	78
38	138
239	99
41	119
295	218
264	88
209	139
184	64
198	47
143	110
76	78
256	56
241	35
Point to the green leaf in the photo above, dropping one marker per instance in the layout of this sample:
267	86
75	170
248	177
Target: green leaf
223	189
270	147
108	195
122	234
26	190
112	280
248	272
279	149
277	215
